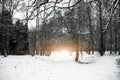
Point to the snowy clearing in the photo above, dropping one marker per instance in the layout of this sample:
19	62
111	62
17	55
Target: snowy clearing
59	67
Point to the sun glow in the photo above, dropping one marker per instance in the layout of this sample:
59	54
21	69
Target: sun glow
64	51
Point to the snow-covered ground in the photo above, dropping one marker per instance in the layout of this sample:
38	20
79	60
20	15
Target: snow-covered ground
59	67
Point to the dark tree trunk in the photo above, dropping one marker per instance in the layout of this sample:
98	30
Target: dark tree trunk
116	38
119	26
4	50
101	50
77	52
27	25
111	41
76	42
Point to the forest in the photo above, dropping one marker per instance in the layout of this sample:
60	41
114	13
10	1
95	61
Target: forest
75	25
59	39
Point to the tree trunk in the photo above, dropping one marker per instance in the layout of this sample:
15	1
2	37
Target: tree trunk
4	52
27	25
111	41
101	31
77	53
91	32
116	38
77	49
119	26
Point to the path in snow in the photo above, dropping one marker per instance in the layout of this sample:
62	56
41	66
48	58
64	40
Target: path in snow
59	67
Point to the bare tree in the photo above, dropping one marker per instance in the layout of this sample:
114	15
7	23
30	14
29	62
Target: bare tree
119	25
90	29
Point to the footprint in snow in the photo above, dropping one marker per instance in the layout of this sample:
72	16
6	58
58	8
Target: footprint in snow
15	67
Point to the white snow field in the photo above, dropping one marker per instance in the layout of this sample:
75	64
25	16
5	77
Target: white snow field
59	67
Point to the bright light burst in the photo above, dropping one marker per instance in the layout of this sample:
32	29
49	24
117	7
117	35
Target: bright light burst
64	51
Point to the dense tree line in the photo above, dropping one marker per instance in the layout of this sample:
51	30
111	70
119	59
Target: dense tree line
82	25
89	26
